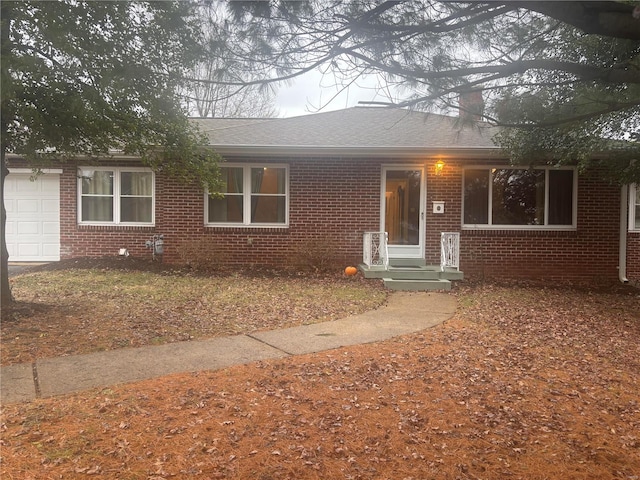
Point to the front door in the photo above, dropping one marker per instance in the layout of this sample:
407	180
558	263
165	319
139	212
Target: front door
402	210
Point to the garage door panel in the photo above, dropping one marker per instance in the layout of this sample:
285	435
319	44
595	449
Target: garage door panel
50	206
29	250
50	185
50	228
30	238
26	186
51	250
28	228
9	184
50	240
33	218
28	206
9	204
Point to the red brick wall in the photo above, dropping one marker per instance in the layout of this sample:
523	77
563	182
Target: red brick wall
334	200
445	187
588	254
92	241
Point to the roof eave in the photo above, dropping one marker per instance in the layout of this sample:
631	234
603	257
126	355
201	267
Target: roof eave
359	151
116	155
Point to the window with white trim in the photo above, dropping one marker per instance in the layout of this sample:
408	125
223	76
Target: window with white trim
116	196
634	207
251	195
519	198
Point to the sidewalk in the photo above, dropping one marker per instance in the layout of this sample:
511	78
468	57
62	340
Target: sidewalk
404	313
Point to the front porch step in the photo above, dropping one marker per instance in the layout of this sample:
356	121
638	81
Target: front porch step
425	272
407	262
417	285
413	277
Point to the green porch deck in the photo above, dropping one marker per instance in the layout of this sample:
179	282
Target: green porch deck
413	275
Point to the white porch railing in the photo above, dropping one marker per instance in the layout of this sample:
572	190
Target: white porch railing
375	252
450	250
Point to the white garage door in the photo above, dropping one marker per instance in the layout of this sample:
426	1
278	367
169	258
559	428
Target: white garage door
33	216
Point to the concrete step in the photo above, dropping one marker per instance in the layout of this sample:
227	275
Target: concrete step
452	274
407	262
413	276
417	285
403	273
425	272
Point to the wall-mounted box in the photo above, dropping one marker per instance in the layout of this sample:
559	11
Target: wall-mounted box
438	207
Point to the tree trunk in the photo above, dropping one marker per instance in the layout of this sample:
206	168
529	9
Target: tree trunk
6	296
5	118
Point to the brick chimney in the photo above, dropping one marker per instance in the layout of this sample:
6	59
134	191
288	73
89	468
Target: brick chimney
471	105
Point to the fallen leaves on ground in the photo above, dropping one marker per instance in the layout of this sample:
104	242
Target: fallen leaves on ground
524	383
114	303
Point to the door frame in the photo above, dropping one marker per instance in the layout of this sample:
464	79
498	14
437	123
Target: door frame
406	251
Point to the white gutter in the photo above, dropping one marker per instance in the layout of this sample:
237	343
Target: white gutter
360	151
622	258
36	170
112	155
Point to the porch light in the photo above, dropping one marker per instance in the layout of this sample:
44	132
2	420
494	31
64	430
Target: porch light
439	167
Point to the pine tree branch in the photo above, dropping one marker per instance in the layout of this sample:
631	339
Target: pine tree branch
606	18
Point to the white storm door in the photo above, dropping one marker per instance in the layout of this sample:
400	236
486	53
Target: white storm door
402	210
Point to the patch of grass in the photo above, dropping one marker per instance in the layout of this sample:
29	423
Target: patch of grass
81	310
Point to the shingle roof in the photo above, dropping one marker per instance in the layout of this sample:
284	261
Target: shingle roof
354	128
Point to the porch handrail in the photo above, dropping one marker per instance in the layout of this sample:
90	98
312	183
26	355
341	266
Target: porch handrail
375	252
450	250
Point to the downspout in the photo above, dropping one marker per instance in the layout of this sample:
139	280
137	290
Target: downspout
622	259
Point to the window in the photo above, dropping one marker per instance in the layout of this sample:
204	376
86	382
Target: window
634	207
119	196
251	195
519	198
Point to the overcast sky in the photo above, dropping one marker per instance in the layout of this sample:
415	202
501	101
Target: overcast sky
314	92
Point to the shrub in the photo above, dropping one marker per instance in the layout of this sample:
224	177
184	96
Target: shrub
202	254
319	255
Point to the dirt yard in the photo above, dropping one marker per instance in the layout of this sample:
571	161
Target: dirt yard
523	383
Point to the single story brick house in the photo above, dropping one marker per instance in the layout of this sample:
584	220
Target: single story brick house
308	189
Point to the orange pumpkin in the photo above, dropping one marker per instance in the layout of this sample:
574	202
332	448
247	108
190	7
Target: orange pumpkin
350	271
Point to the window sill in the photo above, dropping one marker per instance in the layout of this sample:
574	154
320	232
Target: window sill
116	226
518	228
249	227
253	229
519	232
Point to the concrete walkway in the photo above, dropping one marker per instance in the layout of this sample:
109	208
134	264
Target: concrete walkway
404	313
